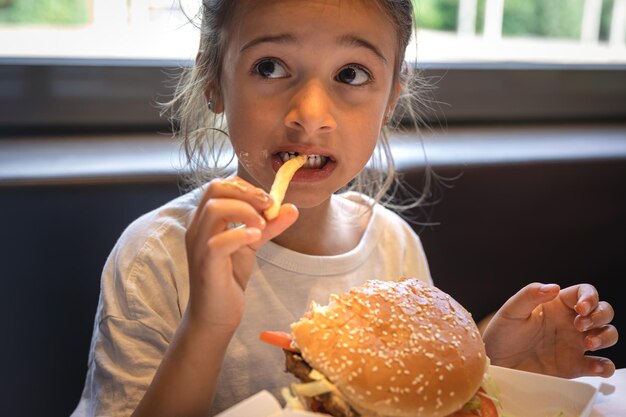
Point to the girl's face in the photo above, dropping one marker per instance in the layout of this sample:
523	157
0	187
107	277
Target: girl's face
313	77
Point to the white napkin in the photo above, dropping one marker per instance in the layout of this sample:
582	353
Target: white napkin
611	398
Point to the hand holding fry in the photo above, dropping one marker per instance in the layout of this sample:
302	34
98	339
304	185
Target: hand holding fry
281	182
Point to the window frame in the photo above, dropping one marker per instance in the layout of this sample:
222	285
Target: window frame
57	95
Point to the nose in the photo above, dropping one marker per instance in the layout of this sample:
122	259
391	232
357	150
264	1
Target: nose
311	110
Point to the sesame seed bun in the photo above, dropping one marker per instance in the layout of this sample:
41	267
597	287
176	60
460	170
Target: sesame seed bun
395	349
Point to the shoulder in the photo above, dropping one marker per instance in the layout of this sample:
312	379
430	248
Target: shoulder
147	269
170	219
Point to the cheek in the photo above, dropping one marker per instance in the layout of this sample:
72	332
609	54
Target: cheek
247	135
250	114
244	125
365	137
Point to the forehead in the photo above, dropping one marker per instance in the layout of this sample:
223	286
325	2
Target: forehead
312	20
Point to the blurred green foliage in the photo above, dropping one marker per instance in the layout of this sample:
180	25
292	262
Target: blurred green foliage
547	18
552	18
53	12
436	14
542	18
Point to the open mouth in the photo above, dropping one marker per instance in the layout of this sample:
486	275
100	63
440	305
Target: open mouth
313	161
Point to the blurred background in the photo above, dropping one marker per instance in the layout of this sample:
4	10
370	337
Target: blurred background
524	123
554	30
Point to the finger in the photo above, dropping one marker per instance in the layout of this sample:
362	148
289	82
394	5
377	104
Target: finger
217	215
522	304
596	366
226	243
237	188
287	216
583	298
601	338
602	315
233	188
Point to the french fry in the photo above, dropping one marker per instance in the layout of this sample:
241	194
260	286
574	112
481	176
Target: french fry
281	182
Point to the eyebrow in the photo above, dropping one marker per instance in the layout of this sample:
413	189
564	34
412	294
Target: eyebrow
352	40
347	40
284	38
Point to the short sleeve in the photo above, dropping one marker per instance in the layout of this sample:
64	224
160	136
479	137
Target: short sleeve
144	290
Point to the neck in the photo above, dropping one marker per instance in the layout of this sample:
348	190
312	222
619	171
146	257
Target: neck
332	228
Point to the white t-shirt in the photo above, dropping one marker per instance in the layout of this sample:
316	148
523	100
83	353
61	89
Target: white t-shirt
145	290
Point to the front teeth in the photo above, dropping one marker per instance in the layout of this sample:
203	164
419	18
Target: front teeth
286	156
313	161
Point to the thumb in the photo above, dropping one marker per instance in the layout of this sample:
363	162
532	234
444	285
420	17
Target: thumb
522	304
287	216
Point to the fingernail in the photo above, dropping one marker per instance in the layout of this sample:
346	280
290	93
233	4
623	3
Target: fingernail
598	368
585	324
236	184
582	308
546	288
594	343
253	231
262	196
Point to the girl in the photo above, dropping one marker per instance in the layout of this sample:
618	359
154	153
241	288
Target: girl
189	286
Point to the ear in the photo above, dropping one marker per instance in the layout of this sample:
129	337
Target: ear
214	99
212	93
393	100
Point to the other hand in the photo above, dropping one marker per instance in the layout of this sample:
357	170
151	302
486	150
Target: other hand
547	330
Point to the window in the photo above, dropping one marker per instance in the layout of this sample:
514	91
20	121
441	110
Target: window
554	31
539	31
102	64
98	29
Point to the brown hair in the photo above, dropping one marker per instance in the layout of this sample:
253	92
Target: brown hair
204	134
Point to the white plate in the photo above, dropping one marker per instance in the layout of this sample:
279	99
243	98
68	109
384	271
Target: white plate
523	394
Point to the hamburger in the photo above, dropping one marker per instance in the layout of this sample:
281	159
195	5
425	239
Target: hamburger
387	349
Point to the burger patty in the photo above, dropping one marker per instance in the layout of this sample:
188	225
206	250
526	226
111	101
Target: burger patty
295	364
328	403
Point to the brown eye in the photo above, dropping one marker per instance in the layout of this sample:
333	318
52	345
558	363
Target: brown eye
270	68
353	75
